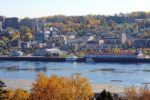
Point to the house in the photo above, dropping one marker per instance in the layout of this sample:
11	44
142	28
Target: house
6	33
37	45
76	44
14	43
92	45
142	43
25	46
1	48
119	38
39	37
56	41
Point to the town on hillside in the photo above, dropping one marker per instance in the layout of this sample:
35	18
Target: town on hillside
61	36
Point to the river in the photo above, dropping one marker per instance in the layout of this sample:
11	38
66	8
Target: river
99	73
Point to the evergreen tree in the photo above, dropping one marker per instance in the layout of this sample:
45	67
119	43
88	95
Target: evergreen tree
3	91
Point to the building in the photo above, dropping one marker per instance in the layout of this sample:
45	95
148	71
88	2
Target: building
40	34
39	37
1	22
16	53
36	45
12	22
122	37
2	19
27	23
1	26
48	52
92	45
6	33
25	46
142	43
57	40
110	55
76	44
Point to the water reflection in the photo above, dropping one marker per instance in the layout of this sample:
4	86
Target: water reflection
17	68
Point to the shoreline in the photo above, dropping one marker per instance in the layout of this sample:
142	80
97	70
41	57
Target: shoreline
79	59
97	88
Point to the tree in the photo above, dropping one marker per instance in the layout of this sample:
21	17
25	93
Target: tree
56	88
39	90
3	91
26	34
15	35
82	89
134	93
20	94
104	95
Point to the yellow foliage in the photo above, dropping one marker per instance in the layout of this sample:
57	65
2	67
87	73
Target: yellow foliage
15	35
10	94
61	88
18	94
30	35
39	90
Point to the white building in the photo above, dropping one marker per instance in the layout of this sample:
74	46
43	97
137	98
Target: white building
47	52
16	53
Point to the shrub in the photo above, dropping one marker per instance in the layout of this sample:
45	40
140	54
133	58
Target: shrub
134	93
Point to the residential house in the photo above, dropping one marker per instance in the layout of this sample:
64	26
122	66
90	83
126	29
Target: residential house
25	46
56	41
142	43
39	37
76	44
37	45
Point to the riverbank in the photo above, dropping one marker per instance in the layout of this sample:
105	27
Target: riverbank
27	84
78	59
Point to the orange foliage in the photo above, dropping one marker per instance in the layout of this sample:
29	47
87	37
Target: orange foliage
133	93
18	94
56	88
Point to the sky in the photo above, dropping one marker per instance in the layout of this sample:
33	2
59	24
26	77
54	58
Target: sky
39	8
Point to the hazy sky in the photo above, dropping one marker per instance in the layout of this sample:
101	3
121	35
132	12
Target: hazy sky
37	8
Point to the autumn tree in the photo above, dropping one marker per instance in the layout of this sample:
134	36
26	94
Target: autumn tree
131	93
56	88
18	94
26	34
15	35
134	93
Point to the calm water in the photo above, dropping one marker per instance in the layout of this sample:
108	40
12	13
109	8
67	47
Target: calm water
126	74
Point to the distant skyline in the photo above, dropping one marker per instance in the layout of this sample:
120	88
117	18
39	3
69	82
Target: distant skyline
39	8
